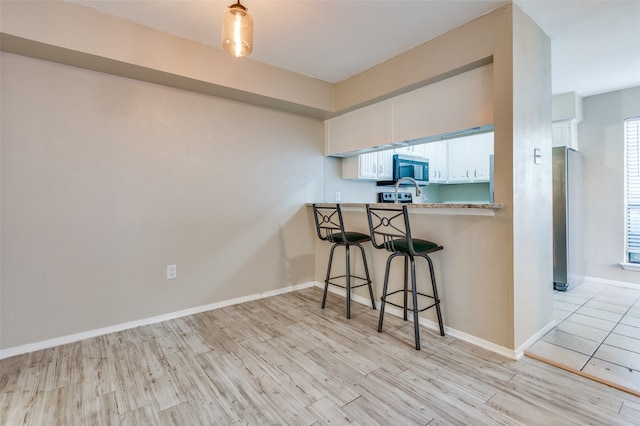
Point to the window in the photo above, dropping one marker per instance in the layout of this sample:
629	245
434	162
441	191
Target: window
632	188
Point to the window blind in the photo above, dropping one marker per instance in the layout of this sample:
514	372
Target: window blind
632	184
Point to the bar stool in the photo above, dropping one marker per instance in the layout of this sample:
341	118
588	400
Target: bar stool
330	228
389	229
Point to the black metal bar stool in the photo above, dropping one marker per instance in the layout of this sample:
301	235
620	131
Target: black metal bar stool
389	228
330	228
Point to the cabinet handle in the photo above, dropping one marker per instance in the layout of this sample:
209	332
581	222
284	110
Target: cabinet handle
467	173
475	173
373	170
380	168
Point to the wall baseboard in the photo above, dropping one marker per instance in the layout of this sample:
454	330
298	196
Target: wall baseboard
500	350
611	282
485	344
531	340
45	344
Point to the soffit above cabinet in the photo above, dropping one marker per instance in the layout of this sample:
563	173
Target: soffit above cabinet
461	102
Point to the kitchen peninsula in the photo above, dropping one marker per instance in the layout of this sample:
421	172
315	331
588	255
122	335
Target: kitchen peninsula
432	208
466	270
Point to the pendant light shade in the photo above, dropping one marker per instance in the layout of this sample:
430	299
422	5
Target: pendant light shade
237	30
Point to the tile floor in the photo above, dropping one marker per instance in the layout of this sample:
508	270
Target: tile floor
597	334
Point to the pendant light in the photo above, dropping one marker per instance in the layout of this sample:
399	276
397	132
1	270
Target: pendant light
237	30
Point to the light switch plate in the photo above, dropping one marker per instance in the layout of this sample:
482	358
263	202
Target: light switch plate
537	156
172	272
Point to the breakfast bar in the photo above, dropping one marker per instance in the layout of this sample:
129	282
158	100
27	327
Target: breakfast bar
484	209
473	260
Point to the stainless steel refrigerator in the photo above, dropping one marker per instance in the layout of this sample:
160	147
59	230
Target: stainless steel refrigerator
567	218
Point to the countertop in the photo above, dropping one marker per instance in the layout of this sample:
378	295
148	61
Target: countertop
486	209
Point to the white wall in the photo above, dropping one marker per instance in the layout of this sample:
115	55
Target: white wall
107	180
532	183
601	143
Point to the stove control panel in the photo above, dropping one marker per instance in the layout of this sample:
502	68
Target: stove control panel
388	197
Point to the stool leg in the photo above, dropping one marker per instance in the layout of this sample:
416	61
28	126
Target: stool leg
326	280
384	292
366	274
435	295
406	276
347	250
415	303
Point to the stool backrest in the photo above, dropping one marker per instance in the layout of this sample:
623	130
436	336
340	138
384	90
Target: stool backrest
387	225
329	221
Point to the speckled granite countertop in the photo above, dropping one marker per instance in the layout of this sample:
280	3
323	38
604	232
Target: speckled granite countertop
492	206
438	208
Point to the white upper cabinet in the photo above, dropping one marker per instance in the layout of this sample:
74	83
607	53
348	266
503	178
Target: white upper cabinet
426	111
369	166
469	158
459	157
363	128
480	150
565	133
461	160
463	101
436	153
413	150
385	163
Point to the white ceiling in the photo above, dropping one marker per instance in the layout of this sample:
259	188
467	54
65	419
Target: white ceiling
594	43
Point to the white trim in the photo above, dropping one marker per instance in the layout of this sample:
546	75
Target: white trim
531	340
630	266
612	282
501	350
44	344
485	344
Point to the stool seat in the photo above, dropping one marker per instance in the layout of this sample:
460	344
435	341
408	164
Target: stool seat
389	229
350	237
330	227
420	246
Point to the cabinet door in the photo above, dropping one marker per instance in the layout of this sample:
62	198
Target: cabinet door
368	166
442	161
436	153
405	150
459	156
413	150
385	164
481	148
418	150
564	133
428	151
432	110
363	128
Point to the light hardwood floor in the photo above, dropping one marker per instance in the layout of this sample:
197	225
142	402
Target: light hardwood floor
283	360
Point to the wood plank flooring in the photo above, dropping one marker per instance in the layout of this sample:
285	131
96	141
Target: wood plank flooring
283	360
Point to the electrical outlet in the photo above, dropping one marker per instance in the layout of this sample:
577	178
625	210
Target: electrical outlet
172	272
337	196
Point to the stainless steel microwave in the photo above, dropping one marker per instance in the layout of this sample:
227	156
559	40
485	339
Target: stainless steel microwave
413	167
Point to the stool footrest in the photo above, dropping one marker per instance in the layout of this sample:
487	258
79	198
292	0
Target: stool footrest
352	285
384	299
